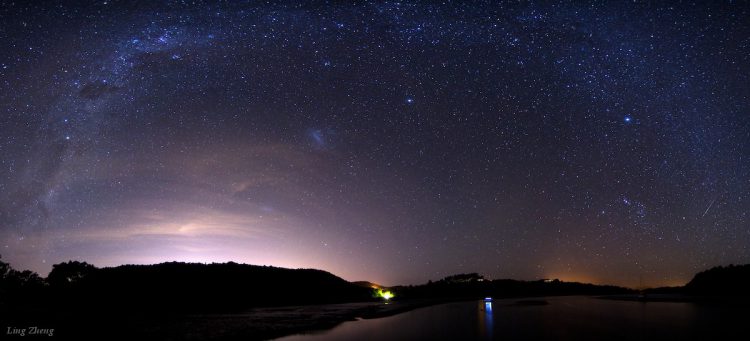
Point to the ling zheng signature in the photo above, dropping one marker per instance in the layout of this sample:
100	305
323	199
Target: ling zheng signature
33	330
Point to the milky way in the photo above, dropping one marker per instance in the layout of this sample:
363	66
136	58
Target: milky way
381	141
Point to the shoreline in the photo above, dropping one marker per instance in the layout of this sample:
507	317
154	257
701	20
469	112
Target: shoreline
261	323
680	298
278	322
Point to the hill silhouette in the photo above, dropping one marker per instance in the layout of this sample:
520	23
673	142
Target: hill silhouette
227	287
474	286
732	280
259	302
195	287
199	287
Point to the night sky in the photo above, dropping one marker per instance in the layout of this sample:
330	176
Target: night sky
382	141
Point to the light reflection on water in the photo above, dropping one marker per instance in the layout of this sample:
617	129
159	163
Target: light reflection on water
563	318
485	319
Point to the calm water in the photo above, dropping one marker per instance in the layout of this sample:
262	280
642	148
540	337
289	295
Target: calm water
563	318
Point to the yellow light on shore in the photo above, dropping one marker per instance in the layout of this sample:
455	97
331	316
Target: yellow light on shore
385	294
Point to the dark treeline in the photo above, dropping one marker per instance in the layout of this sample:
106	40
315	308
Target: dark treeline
79	299
186	287
732	280
190	287
132	301
721	281
19	287
475	286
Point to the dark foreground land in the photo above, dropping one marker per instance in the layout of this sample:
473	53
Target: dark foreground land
719	318
550	318
253	324
180	301
226	301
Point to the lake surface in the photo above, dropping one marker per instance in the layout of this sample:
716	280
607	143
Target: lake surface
561	318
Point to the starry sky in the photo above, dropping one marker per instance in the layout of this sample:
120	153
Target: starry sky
382	141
